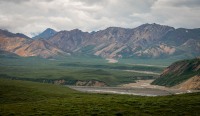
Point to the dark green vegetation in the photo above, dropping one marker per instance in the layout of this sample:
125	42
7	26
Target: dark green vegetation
154	62
72	69
114	66
31	98
178	72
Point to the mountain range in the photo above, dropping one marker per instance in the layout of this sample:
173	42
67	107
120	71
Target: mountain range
145	41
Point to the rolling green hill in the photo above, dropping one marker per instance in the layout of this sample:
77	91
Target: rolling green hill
31	98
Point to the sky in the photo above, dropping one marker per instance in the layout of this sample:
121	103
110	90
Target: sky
34	16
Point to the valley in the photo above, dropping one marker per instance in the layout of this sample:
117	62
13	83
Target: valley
89	86
71	70
99	58
90	75
33	98
137	71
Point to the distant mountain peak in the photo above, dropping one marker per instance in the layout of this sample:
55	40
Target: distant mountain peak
76	30
50	30
6	33
153	25
113	28
46	34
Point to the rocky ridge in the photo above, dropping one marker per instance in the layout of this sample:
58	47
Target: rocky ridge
26	47
184	74
145	41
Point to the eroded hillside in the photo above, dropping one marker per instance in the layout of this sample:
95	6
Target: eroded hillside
185	73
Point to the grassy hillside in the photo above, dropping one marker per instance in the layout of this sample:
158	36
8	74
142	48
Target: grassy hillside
30	98
70	69
179	72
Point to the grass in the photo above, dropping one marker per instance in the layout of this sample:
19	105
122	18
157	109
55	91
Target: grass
20	97
31	98
114	66
157	62
72	69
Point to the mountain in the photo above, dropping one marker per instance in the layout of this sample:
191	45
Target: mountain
41	48
190	47
145	41
113	41
10	41
69	41
5	33
24	46
48	33
185	74
179	36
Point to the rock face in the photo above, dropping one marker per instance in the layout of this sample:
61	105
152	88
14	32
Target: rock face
41	48
184	73
24	46
81	83
60	82
145	41
91	83
10	42
191	84
70	41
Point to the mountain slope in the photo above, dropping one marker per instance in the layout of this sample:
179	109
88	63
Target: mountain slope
69	41
10	41
192	83
5	33
24	46
130	42
187	71
113	41
145	41
179	36
191	47
41	48
5	54
48	33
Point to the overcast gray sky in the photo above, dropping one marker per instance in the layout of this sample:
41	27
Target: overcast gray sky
33	16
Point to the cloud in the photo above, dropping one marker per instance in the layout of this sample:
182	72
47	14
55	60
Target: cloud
180	13
33	16
14	1
180	3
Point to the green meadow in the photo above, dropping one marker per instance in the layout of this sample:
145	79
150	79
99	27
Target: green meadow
72	68
32	98
22	91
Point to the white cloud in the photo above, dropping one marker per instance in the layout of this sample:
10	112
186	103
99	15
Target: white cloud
180	13
33	16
